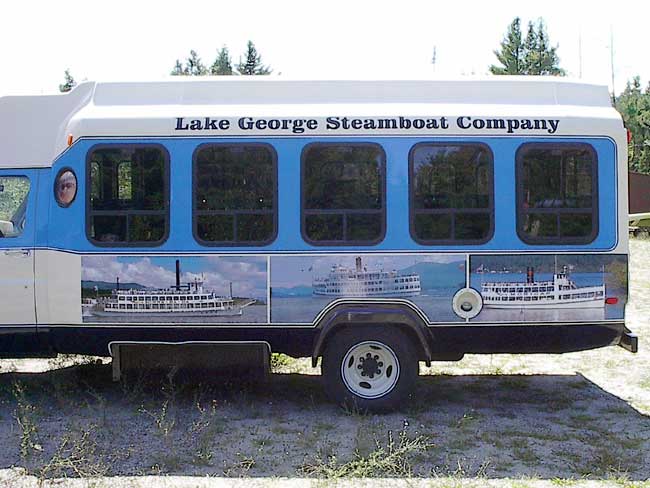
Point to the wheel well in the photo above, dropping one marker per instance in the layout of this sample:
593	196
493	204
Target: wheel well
405	320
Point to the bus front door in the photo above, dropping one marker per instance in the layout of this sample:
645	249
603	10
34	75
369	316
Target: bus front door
17	227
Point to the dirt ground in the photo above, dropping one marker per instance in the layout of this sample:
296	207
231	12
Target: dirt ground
549	420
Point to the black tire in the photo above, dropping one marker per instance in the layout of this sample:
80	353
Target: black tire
397	342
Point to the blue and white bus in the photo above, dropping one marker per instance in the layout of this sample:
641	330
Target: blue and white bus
374	224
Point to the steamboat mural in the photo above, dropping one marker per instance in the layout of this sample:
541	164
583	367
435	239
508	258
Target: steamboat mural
301	286
174	290
215	290
550	288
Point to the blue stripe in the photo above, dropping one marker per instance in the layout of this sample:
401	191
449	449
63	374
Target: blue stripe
67	226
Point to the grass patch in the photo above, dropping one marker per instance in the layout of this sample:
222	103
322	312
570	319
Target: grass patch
390	459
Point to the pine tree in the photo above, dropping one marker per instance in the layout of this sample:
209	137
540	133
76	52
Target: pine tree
532	56
69	82
193	66
223	64
253	64
546	56
178	69
531	60
511	54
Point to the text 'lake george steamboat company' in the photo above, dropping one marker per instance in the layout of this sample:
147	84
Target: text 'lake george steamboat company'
347	124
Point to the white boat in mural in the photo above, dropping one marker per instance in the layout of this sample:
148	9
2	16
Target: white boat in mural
189	299
561	292
359	282
87	306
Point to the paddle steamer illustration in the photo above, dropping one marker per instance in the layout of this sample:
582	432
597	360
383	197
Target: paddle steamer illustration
189	299
560	292
359	282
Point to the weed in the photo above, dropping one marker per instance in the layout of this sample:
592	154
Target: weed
353	410
461	443
101	404
466	421
76	455
263	442
563	482
390	460
165	422
25	415
241	467
205	429
523	452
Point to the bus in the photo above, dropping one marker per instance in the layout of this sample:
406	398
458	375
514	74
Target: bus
367	224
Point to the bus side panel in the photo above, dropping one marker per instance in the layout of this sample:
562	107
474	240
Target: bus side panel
58	294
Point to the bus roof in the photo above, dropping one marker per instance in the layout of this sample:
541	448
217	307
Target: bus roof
35	129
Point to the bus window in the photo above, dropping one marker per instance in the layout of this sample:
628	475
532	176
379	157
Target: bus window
13	205
235	194
128	201
451	193
343	194
557	193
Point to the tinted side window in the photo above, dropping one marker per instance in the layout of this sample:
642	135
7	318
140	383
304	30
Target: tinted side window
343	194
128	201
14	191
557	193
235	194
451	193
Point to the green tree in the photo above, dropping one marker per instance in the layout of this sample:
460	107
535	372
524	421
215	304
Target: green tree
223	64
541	57
634	106
530	56
253	62
193	66
178	69
69	82
511	54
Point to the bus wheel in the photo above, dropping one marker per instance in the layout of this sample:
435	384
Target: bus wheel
370	368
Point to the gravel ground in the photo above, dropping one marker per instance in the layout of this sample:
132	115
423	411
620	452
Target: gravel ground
502	420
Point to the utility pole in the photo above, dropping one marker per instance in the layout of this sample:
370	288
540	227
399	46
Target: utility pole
579	54
433	59
611	53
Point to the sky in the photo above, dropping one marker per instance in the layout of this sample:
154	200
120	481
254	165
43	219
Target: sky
247	274
140	39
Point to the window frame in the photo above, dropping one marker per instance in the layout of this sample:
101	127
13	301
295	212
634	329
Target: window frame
166	196
273	212
305	212
26	202
450	211
595	209
56	181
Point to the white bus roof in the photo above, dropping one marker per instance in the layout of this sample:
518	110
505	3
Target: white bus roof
34	129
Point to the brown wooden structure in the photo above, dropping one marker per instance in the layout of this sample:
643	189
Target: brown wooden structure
639	193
